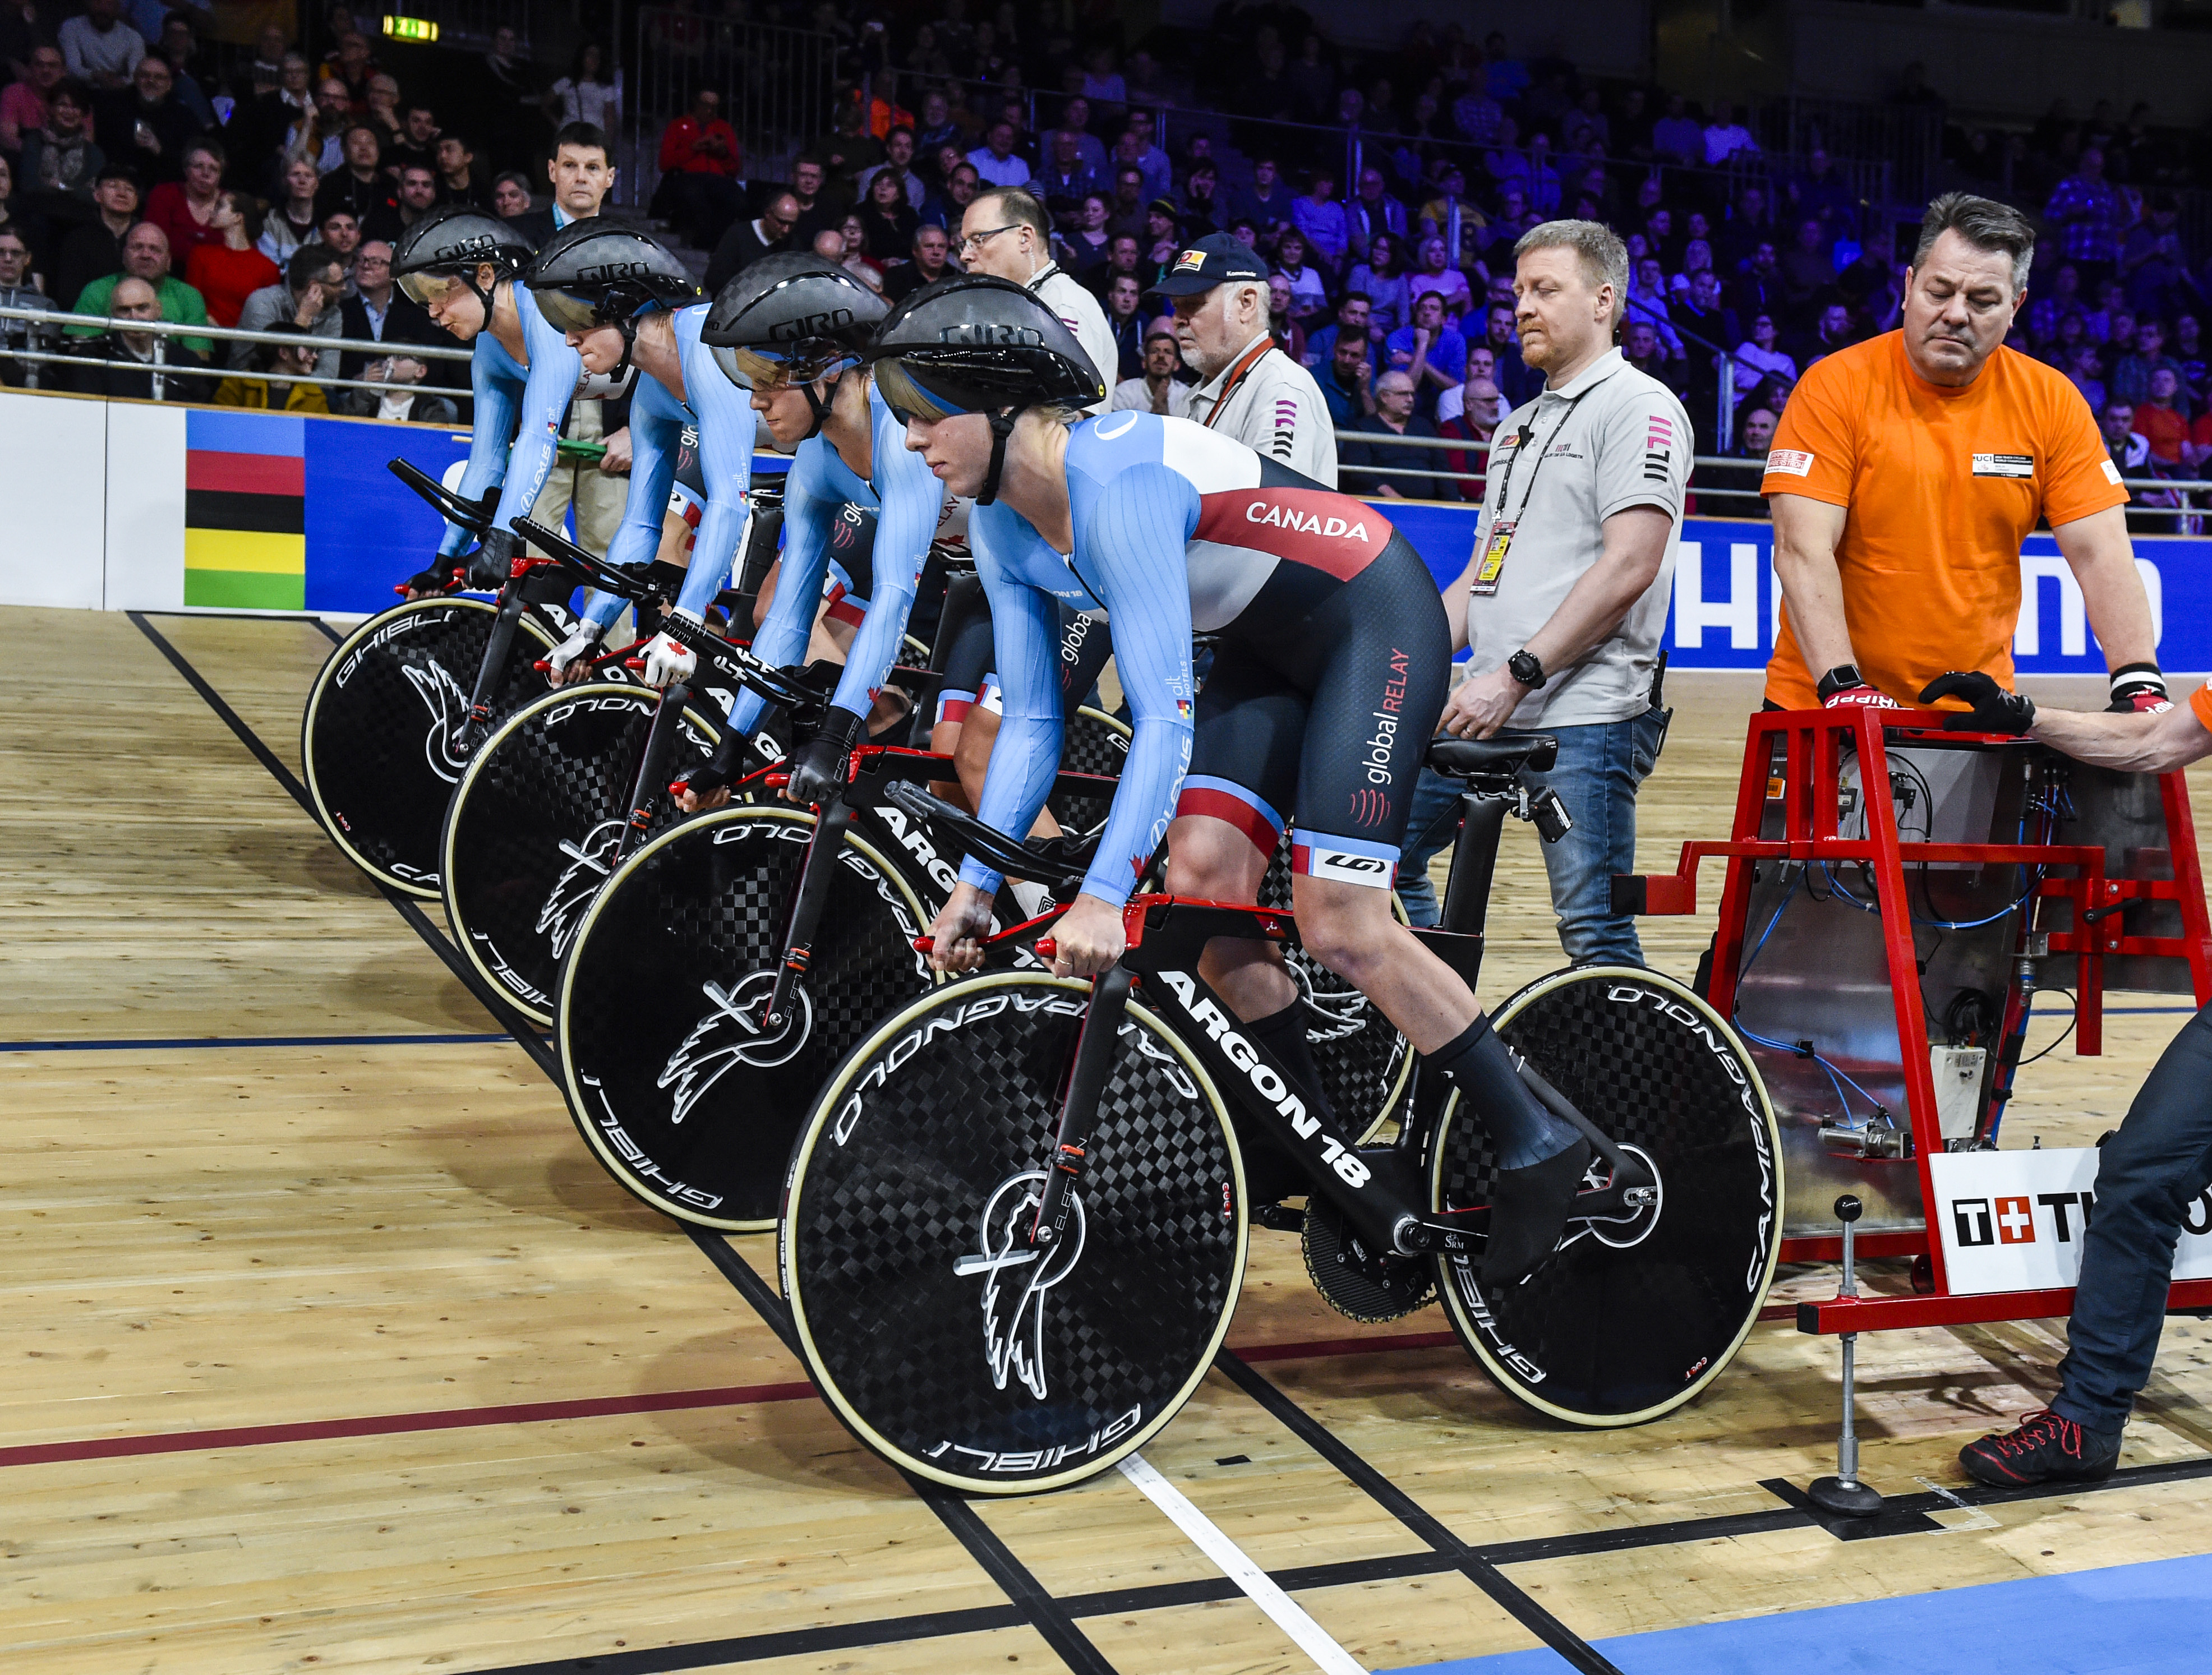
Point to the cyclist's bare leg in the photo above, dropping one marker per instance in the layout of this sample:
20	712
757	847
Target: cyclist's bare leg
1213	860
1349	929
945	741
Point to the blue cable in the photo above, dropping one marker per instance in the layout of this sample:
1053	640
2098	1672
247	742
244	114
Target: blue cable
1791	1047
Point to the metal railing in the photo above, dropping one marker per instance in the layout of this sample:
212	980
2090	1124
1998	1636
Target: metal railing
1907	138
45	324
776	85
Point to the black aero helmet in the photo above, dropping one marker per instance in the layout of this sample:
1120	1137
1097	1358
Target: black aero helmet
790	319
979	344
600	272
450	244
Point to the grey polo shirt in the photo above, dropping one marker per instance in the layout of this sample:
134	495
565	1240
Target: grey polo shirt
1610	439
1273	407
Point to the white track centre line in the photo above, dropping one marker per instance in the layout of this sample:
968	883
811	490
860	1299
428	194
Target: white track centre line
1238	1566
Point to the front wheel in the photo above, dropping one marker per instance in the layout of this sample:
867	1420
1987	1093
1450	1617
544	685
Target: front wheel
1630	1318
682	1091
940	1338
540	821
376	737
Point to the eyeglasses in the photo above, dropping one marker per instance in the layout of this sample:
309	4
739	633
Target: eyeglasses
974	241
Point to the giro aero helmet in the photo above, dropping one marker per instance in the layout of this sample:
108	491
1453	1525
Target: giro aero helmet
978	344
791	319
448	245
598	272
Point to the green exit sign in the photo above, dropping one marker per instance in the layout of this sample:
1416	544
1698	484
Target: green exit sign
411	28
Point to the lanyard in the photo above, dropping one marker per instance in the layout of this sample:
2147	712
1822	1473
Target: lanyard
1237	374
1528	434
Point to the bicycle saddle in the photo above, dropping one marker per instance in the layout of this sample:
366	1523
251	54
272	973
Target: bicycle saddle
1491	758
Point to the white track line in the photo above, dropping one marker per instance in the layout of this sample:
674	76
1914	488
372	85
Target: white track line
1237	1565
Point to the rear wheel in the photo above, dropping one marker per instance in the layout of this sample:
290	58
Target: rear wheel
375	739
536	822
1630	1318
938	1337
685	1099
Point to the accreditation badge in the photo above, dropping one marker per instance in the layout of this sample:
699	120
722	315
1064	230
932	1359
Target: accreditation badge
1493	559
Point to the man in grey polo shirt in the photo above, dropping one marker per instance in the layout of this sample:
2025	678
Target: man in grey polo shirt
1564	601
1251	390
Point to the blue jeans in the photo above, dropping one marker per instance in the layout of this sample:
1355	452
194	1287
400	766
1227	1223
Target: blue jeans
2150	1176
1600	767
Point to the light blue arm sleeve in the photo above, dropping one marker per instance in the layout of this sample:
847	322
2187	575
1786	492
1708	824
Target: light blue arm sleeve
497	394
909	502
725	463
782	639
554	372
1133	538
1025	642
656	433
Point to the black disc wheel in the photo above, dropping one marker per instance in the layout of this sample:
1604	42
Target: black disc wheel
1093	742
939	1336
1628	1318
1364	1063
538	822
683	1091
375	736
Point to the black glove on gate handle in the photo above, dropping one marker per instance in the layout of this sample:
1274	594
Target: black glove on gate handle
1995	710
818	768
490	563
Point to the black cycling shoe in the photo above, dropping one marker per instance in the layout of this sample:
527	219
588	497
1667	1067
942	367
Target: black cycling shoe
2043	1448
1529	1211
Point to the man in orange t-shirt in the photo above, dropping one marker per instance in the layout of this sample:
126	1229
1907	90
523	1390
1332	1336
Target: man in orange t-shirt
1907	470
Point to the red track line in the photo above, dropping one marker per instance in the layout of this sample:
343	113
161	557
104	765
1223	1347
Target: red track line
596	1407
387	1424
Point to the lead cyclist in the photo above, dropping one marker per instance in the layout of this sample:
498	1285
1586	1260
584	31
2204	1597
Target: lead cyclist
1329	677
461	265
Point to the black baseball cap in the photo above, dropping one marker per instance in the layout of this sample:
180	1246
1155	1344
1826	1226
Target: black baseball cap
1216	259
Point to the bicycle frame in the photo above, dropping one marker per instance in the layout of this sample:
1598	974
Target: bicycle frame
1376	1188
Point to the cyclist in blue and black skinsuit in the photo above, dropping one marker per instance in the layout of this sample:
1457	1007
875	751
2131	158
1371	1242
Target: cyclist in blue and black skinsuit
461	265
1329	677
625	299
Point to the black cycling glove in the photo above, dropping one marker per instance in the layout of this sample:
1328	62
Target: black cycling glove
818	768
438	578
1995	710
490	563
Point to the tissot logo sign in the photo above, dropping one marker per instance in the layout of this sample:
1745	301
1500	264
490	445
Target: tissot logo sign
2015	1221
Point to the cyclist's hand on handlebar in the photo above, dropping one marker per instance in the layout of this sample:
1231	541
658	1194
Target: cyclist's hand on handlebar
818	767
707	785
490	563
431	583
667	660
571	659
957	933
1088	938
1995	710
1483	703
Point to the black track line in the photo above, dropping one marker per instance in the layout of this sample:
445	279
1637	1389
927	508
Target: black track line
1400	1505
1032	1602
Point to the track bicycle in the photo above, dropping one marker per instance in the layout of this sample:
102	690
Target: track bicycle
1014	1226
389	725
566	787
732	958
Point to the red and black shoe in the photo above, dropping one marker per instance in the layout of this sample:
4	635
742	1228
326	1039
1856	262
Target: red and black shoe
2044	1448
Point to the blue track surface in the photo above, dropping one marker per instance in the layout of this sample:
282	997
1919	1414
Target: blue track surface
2136	1619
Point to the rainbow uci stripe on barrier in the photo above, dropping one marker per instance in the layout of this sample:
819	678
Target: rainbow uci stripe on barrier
246	542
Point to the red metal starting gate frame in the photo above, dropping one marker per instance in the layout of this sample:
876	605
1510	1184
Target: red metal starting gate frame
1815	744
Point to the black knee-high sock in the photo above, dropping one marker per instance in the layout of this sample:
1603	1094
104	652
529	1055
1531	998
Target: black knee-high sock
1477	1061
1269	1171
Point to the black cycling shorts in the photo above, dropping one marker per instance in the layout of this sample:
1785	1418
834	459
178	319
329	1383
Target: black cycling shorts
1325	718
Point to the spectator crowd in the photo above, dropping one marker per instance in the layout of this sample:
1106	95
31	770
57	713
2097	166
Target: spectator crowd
1385	192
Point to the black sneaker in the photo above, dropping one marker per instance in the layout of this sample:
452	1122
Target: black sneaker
2046	1448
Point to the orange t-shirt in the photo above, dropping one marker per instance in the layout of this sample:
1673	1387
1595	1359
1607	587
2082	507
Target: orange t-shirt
2199	706
1942	486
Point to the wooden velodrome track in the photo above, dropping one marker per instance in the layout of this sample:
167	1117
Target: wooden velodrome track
328	1347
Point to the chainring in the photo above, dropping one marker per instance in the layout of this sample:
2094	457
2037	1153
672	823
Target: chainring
1354	1282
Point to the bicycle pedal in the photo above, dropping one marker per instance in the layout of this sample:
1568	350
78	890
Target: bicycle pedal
1279	1218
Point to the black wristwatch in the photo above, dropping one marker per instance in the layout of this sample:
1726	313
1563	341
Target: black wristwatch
1524	668
1841	678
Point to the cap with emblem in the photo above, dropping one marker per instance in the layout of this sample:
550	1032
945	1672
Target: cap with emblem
1219	259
